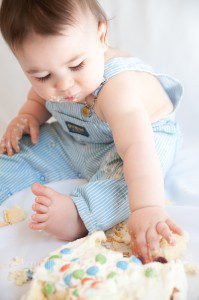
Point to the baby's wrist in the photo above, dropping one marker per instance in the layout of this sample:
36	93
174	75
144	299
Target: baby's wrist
147	206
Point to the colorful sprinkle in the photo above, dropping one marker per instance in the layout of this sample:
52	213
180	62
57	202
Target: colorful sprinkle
100	258
75	259
29	274
64	268
95	283
136	260
49	264
161	260
86	279
150	272
49	289
66	251
122	264
78	274
111	275
76	293
67	279
55	256
92	270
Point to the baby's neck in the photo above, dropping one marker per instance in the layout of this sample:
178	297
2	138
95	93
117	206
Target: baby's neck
114	52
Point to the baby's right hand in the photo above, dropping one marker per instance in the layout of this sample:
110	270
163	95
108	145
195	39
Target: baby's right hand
23	123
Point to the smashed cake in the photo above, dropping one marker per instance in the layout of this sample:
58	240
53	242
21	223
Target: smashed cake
86	269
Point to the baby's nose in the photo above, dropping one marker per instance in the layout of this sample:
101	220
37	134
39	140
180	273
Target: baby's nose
64	84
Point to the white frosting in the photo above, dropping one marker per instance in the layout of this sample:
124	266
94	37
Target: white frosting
154	281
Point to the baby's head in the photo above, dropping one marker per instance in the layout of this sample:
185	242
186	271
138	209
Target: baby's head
60	44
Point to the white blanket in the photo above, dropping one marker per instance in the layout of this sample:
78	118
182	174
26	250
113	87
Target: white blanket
19	241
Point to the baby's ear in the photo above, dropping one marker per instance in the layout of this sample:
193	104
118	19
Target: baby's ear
102	31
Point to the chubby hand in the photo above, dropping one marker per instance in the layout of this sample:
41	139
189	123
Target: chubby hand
18	126
146	226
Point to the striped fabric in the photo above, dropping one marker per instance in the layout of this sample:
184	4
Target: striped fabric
79	147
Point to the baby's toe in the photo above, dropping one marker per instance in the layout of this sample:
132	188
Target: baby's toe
43	190
37	226
40	208
43	200
40	217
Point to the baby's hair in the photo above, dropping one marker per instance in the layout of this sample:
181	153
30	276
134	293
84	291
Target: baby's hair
18	18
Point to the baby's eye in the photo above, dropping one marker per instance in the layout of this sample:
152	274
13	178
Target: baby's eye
77	68
43	78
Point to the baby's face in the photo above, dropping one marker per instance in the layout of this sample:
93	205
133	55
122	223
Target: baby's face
65	67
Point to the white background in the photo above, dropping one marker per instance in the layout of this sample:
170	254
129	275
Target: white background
163	33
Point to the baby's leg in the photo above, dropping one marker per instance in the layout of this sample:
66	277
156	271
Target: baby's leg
56	214
43	163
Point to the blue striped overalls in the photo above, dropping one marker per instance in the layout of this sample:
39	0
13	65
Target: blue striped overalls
83	147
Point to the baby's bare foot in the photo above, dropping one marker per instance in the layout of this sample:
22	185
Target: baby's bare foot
56	214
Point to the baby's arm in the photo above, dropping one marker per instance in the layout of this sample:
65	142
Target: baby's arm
122	106
35	106
32	114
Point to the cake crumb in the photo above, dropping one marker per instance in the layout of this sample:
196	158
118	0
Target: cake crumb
191	269
19	277
16	261
14	215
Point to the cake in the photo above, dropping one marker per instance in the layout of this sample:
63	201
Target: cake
86	269
118	239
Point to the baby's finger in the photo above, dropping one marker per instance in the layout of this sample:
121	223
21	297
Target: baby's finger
8	145
15	137
175	228
163	229
34	133
2	146
152	240
133	246
141	244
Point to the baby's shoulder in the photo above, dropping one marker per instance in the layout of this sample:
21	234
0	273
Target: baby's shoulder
120	64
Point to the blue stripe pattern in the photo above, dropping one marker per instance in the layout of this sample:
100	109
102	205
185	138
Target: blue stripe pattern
63	153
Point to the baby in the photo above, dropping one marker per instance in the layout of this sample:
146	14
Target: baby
115	125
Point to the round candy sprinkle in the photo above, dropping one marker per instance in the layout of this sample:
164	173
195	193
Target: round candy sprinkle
100	258
66	251
64	267
122	264
92	270
111	275
49	289
49	264
67	279
136	260
54	256
150	272
76	293
78	274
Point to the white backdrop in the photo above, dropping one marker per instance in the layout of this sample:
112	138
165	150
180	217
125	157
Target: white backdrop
164	33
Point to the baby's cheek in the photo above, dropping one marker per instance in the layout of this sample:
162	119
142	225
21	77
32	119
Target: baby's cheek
43	89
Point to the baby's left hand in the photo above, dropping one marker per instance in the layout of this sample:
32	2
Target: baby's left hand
146	225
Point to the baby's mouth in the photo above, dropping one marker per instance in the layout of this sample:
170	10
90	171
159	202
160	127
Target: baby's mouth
63	99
